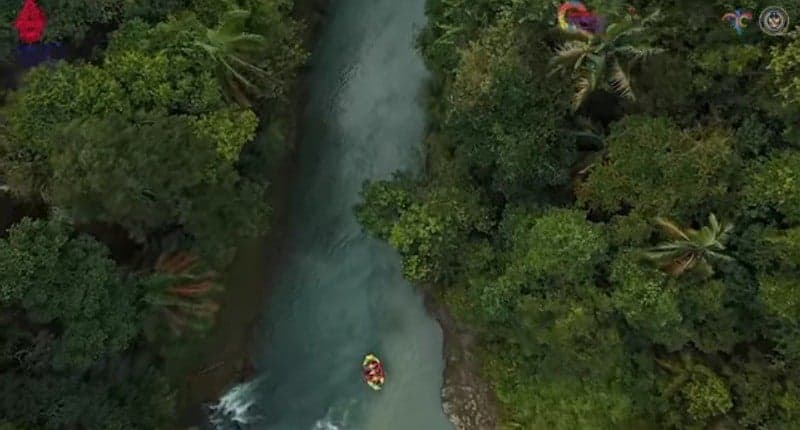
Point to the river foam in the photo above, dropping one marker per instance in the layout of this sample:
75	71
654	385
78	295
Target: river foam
236	409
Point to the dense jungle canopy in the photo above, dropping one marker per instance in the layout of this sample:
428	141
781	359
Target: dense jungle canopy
131	172
616	214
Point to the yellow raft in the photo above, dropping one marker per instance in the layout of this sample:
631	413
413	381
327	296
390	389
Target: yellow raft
375	382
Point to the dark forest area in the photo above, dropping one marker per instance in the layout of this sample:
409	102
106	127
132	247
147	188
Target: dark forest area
616	214
132	168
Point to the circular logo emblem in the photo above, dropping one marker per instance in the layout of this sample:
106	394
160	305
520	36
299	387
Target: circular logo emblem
774	21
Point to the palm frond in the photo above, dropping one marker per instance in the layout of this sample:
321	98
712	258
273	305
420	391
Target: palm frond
671	229
626	31
713	223
570	53
672	246
238	76
584	87
249	66
238	93
690	249
233	21
680	266
621	83
638	52
209	49
248	41
704	237
599	60
612	30
720	256
653	17
722	230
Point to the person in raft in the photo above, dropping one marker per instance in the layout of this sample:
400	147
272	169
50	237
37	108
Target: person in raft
374	372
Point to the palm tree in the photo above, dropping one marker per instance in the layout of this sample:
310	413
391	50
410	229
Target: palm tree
180	293
236	53
691	249
602	61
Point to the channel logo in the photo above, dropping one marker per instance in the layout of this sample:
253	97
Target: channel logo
774	21
575	17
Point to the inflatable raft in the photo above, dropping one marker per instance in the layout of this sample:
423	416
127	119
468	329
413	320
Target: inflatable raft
372	371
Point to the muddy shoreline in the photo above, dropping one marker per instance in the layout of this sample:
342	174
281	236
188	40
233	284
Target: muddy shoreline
468	400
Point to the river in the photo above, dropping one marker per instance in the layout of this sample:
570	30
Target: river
340	294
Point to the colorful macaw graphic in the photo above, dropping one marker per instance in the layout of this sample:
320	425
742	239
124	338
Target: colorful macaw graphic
738	20
574	17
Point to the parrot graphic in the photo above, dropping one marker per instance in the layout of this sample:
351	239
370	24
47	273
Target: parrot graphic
738	20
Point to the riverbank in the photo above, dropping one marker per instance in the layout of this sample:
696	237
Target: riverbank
225	353
468	399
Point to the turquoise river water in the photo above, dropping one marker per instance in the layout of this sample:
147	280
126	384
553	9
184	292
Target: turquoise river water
340	293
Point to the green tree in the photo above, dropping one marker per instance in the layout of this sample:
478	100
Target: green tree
556	239
152	10
780	295
698	388
564	402
655	169
452	24
778	249
384	203
67	282
673	312
549	325
542	247
189	80
231	47
707	396
765	392
230	130
254	50
50	96
133	399
153	176
601	61
647	301
712	319
506	123
430	234
774	186
127	83
783	67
